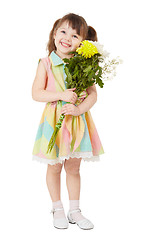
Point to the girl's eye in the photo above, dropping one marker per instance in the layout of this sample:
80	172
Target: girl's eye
75	36
63	31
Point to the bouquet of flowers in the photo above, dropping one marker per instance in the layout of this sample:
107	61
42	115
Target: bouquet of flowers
89	65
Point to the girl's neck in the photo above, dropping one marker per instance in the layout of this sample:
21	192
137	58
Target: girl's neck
63	55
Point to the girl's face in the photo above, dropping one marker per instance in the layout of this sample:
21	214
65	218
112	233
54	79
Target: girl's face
66	40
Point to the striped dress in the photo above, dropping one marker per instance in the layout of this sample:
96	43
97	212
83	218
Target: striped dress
77	137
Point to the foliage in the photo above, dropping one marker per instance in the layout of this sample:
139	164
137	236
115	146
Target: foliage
82	73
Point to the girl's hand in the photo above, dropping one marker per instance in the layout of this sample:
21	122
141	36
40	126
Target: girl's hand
69	96
70	109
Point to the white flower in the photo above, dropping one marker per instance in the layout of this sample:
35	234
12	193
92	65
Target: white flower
107	63
99	46
109	67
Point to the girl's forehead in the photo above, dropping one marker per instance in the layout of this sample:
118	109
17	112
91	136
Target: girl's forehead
67	26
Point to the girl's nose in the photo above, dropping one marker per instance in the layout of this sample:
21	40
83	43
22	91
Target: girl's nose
67	37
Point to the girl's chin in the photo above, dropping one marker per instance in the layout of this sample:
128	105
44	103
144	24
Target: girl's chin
65	51
63	54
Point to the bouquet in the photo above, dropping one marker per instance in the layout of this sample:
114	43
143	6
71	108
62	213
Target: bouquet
89	65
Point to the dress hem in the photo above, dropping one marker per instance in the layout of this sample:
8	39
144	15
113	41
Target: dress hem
86	156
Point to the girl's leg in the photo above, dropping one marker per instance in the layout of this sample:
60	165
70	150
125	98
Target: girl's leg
72	167
53	181
73	181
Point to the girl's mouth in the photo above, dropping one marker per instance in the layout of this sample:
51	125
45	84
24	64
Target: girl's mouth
66	45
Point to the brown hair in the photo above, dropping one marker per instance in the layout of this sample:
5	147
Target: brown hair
92	35
76	22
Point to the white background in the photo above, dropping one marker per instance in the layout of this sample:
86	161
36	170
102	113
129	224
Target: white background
112	190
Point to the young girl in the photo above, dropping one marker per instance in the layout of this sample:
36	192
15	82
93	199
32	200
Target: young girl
78	138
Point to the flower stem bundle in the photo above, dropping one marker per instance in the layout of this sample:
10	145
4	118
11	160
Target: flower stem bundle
55	132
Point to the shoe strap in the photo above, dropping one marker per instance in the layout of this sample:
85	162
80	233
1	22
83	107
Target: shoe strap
56	209
76	210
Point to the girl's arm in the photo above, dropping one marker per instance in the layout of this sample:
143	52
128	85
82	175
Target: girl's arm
38	88
89	101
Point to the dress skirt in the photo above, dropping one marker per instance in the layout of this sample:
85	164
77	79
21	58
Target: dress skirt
77	137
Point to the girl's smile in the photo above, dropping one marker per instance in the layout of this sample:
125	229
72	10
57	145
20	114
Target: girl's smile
66	45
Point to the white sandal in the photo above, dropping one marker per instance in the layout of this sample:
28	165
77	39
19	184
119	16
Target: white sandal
60	223
83	224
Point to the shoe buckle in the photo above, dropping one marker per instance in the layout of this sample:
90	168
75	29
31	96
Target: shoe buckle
55	209
52	211
76	210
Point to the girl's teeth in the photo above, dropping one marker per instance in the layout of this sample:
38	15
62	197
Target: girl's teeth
66	45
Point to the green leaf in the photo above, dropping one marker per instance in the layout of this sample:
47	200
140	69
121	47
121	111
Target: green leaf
87	69
68	74
66	60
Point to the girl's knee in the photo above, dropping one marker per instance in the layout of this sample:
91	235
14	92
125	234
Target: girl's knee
55	168
72	166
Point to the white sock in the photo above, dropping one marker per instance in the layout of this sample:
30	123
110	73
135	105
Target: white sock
77	216
59	213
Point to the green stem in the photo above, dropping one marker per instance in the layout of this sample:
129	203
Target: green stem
54	135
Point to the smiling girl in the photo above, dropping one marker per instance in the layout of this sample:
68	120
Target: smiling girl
78	138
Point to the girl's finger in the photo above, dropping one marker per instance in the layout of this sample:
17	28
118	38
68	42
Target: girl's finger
72	88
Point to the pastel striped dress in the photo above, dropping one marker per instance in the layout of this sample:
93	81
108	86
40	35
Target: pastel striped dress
78	137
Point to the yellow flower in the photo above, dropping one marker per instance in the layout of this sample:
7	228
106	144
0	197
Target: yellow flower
87	49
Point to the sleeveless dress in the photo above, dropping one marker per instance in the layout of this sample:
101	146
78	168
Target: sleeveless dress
77	137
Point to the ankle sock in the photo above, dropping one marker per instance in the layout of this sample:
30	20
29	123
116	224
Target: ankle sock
77	216
59	213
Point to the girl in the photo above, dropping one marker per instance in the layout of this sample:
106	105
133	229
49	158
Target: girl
78	138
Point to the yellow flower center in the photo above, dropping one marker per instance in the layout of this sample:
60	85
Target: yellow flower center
87	49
